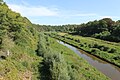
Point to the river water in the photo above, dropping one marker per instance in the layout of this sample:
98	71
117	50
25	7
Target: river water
106	68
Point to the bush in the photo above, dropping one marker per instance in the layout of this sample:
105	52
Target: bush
95	51
77	40
90	45
56	66
117	58
112	50
95	45
106	48
81	45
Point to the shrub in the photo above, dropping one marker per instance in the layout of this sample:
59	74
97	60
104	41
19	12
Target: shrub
90	45
106	48
77	40
112	50
56	66
81	45
95	45
95	51
117	58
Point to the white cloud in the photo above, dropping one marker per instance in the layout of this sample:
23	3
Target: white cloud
34	11
106	16
77	15
85	14
37	11
110	17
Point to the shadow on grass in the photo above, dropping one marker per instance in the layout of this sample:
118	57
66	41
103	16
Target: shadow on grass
44	72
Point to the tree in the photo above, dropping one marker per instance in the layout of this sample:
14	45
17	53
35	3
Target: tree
1	0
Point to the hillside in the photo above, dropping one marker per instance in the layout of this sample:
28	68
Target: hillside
27	53
18	42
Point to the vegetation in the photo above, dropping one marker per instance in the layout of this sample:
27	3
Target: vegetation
26	54
59	62
108	51
58	28
18	42
105	29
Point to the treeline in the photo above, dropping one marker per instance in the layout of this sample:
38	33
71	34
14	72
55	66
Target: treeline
57	28
105	29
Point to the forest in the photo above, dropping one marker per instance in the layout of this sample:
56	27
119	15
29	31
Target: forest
105	29
31	51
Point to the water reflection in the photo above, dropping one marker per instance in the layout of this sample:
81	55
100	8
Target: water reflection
109	70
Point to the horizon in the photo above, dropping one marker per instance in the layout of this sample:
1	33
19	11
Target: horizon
52	12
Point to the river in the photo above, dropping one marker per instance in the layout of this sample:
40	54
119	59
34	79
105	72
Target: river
106	68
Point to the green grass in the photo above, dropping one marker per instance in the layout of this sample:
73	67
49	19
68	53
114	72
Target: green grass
108	51
18	63
78	68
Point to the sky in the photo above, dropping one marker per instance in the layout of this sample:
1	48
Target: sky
59	12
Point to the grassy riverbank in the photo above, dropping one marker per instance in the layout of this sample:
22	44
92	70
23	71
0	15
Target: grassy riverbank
60	58
108	51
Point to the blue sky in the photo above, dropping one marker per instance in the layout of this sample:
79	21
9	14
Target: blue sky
56	12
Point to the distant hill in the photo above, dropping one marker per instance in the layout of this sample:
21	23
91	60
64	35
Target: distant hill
105	29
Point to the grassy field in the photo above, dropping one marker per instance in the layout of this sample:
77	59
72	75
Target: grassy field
20	65
77	68
108	51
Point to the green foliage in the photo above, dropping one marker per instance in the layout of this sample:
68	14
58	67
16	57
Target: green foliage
95	51
105	29
19	46
54	67
59	62
59	28
112	50
18	42
57	66
25	63
102	49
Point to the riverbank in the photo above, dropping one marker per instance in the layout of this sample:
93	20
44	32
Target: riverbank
64	62
108	52
99	64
